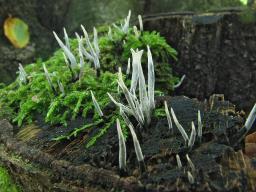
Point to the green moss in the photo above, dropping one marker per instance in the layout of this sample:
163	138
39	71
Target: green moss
159	112
6	184
25	103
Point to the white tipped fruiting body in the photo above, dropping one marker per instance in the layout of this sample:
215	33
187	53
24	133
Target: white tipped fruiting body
200	125
122	146
22	74
192	135
96	105
178	161
251	120
136	143
140	107
67	51
168	116
180	128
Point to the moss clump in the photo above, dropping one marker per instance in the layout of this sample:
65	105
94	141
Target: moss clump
36	100
6	184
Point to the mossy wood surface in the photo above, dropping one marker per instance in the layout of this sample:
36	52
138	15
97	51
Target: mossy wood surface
69	166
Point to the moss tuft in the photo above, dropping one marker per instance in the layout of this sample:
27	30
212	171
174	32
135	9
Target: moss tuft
35	100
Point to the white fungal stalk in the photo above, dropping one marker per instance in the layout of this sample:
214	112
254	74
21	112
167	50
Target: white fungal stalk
94	49
136	32
96	105
128	67
178	161
47	75
151	80
180	128
168	116
140	22
110	33
192	136
66	49
81	56
190	178
22	74
66	39
125	118
251	119
140	108
180	82
122	146
136	143
136	59
61	87
200	126
124	26
190	163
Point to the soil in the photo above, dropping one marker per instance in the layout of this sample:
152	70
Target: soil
218	158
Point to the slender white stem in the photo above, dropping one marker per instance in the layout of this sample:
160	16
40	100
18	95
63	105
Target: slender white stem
190	178
122	146
66	38
178	161
251	119
61	87
192	136
128	67
22	74
136	32
180	128
140	22
180	82
169	119
136	143
191	164
67	51
200	126
96	105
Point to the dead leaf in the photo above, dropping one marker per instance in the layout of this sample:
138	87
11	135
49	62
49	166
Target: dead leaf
16	31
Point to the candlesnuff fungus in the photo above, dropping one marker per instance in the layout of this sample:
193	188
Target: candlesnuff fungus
22	74
47	75
124	26
73	73
94	49
137	147
67	52
125	118
122	147
180	128
168	116
96	105
180	82
66	39
192	136
190	178
110	33
140	108
61	87
140	22
200	126
251	119
190	163
178	161
136	32
128	66
136	61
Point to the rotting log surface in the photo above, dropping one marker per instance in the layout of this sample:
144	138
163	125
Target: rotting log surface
216	52
69	166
